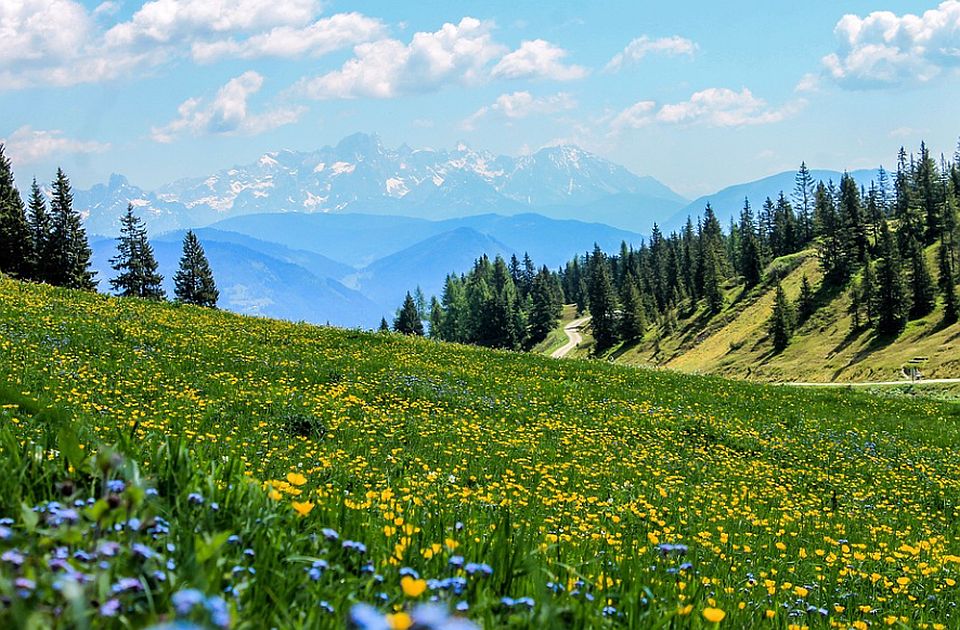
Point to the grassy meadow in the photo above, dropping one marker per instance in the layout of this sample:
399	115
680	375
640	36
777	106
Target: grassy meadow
165	463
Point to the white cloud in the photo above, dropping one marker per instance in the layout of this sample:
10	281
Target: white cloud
456	53
885	49
61	42
27	145
320	37
522	104
227	113
167	21
713	107
538	59
642	46
808	83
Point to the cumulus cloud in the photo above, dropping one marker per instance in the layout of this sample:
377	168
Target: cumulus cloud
27	145
320	37
227	113
885	49
61	42
522	104
713	107
538	59
640	47
456	53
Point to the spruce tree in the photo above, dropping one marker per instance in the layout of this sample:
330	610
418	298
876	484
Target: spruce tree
751	266
781	321
868	290
69	252
436	318
712	290
803	196
193	282
948	287
602	301
453	327
384	326
16	248
805	302
135	263
892	297
544	307
632	317
408	318
40	228
922	288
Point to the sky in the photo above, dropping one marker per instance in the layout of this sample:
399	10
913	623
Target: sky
698	94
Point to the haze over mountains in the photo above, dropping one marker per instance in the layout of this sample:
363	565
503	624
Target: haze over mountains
340	234
360	175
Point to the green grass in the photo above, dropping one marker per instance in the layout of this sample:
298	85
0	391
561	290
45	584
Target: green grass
735	342
610	496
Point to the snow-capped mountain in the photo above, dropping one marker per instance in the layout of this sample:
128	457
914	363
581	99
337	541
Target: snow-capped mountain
359	174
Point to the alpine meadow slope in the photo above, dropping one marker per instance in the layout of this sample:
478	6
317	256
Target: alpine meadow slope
199	465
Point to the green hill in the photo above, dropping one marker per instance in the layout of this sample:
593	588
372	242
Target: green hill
163	462
825	348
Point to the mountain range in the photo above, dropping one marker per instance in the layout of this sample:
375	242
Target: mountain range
340	234
352	269
360	175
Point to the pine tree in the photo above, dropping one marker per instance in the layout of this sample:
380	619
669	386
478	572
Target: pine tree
922	288
892	299
782	321
868	290
421	301
602	301
455	315
803	196
545	309
436	318
135	263
40	228
948	287
711	281
69	252
408	319
384	326
751	266
856	302
193	282
632	318
805	302
16	247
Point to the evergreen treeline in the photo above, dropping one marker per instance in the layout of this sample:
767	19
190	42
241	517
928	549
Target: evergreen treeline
497	304
50	245
873	240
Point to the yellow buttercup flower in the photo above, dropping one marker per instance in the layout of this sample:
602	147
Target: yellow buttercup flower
713	615
302	508
399	621
412	587
296	479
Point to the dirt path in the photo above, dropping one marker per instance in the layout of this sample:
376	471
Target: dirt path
573	337
925	381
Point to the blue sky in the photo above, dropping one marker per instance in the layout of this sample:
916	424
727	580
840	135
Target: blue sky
700	95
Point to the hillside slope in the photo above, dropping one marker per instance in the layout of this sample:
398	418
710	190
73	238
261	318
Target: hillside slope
736	343
512	489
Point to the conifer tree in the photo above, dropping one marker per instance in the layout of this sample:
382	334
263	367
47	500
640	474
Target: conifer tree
16	248
632	317
948	287
193	282
803	197
408	318
436	318
892	298
545	309
40	228
602	301
712	290
922	288
781	321
384	326
453	327
69	252
751	266
135	263
868	291
805	302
